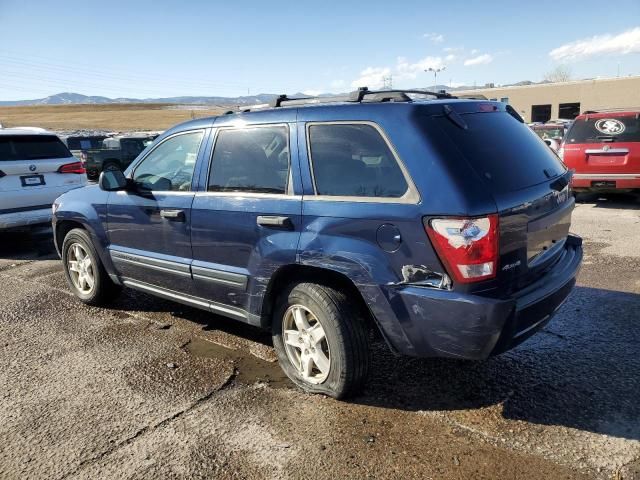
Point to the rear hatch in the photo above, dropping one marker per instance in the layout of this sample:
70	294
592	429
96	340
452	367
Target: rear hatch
528	182
30	174
606	144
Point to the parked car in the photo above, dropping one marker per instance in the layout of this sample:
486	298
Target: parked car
77	143
551	133
604	150
35	168
117	152
326	222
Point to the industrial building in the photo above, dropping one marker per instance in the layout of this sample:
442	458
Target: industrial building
550	101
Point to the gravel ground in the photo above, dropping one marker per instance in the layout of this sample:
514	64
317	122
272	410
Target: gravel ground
151	389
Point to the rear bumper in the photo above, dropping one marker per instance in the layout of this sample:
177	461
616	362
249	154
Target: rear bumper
623	181
439	323
25	218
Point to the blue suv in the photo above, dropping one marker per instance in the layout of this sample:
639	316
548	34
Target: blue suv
440	223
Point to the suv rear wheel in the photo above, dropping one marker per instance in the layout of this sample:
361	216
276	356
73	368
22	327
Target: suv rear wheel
321	340
84	271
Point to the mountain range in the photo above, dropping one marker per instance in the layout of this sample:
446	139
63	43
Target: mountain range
70	98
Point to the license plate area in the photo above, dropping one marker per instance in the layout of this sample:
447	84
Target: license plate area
603	184
546	235
32	180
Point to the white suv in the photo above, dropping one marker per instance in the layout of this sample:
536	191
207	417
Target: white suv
35	169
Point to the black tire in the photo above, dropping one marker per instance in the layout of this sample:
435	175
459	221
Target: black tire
103	290
346	333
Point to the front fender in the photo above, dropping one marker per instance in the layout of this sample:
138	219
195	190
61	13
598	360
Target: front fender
87	207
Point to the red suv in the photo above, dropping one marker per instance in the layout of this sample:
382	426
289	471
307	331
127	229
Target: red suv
604	150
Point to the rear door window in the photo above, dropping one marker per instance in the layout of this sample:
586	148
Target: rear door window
353	160
605	129
503	151
252	159
31	147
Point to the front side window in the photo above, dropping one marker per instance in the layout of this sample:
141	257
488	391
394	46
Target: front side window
353	160
252	159
169	167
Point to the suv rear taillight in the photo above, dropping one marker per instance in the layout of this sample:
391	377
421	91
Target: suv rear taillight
75	167
468	247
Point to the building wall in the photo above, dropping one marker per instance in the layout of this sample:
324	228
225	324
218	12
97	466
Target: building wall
597	94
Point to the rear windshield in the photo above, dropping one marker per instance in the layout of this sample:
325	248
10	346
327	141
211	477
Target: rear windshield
31	147
503	151
610	129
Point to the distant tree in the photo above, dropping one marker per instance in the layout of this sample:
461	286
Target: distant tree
561	73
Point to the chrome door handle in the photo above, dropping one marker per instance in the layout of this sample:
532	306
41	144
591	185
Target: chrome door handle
177	215
274	222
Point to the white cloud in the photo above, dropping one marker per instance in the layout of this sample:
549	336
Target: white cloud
337	84
450	58
620	44
453	49
406	70
312	92
434	37
373	77
483	59
474	51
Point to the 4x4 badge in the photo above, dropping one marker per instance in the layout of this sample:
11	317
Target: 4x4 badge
610	126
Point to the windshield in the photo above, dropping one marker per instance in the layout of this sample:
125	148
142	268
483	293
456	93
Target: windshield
616	128
503	151
31	147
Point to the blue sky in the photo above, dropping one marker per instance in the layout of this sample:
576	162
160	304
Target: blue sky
163	48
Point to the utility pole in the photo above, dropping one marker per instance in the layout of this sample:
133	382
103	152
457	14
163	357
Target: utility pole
387	82
435	73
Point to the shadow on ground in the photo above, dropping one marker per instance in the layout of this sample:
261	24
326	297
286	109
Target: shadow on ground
33	244
580	372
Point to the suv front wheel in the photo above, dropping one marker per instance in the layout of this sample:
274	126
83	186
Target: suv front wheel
84	271
322	341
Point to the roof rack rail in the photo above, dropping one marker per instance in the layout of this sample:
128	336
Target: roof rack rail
361	95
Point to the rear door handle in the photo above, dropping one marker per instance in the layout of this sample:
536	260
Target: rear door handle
275	222
177	215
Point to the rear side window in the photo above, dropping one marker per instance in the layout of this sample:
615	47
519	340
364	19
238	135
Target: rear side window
353	160
504	152
250	159
31	147
610	129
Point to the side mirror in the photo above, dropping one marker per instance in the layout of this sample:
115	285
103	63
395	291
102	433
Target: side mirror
112	180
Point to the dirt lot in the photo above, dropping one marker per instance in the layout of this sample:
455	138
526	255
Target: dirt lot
106	117
150	389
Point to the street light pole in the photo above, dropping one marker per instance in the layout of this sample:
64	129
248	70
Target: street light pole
435	73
